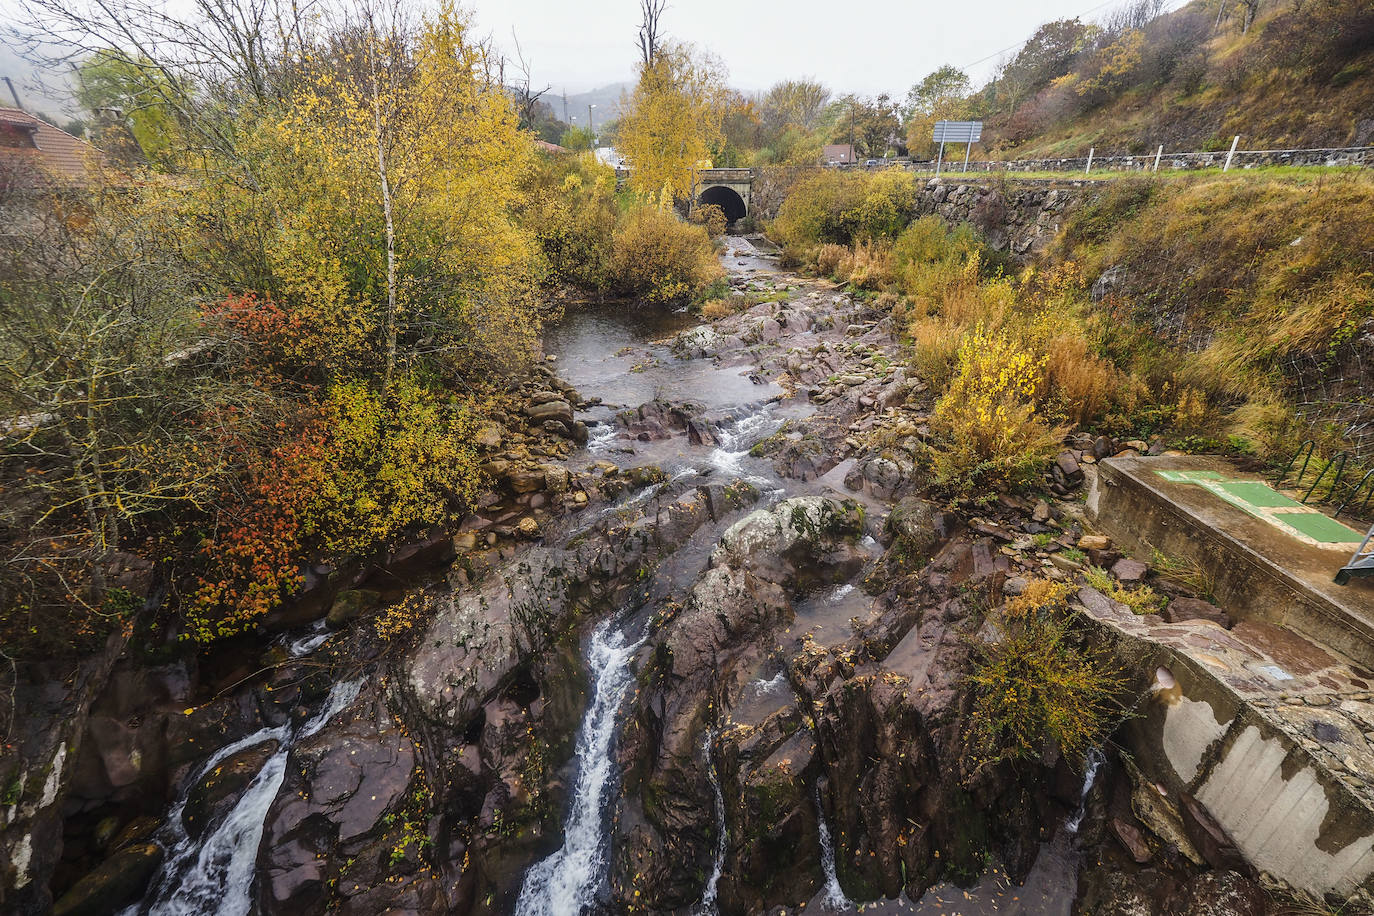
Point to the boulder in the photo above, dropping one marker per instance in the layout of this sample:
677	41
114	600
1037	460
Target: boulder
1131	840
912	523
115	883
220	789
1182	609
560	411
352	603
1130	571
1209	838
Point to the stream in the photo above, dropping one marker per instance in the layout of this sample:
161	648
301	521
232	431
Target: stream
619	359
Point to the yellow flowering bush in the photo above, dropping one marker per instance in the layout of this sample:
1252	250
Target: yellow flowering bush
1034	687
986	418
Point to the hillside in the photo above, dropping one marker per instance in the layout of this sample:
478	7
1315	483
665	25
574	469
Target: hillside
1301	74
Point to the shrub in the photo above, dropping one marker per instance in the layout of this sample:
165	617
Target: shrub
986	418
1141	600
659	258
1034	687
354	475
842	208
712	217
828	258
867	266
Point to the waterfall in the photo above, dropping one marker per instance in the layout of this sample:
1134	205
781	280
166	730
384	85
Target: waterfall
566	882
834	895
708	898
736	439
215	873
1095	760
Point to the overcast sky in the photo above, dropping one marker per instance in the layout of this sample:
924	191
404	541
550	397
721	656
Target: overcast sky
866	47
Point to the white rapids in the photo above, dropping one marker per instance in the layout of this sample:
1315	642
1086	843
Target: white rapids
834	898
566	883
708	898
215	873
1095	761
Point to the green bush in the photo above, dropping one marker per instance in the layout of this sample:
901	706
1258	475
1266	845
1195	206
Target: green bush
1034	687
658	257
842	208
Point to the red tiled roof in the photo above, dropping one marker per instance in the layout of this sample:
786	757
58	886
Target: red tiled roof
55	152
548	147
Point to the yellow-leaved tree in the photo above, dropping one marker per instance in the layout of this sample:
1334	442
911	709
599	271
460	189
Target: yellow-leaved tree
673	119
397	182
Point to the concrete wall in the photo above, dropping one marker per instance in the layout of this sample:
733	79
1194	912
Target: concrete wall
1285	812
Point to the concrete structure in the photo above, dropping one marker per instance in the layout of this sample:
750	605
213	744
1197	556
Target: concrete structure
729	189
1261	572
1255	741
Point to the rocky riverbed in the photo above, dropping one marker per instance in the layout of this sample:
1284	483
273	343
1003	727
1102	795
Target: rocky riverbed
699	649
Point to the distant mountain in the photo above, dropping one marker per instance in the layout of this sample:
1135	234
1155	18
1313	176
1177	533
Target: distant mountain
606	99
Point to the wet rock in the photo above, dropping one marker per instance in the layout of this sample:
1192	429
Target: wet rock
1131	840
340	784
115	883
1209	838
1219	893
1130	571
1184	609
351	604
220	789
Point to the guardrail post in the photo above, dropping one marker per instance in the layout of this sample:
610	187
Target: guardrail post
1159	152
1089	169
1234	144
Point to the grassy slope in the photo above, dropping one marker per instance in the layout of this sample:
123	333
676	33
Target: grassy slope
1269	107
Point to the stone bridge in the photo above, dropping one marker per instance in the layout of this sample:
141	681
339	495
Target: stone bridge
729	189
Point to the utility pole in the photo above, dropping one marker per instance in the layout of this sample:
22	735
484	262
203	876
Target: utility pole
17	104
565	107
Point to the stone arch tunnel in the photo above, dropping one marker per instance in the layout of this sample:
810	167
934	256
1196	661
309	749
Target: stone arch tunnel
729	189
729	201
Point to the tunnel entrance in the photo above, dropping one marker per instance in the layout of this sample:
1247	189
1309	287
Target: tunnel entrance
730	203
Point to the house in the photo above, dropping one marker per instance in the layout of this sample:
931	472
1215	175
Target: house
838	154
545	146
34	154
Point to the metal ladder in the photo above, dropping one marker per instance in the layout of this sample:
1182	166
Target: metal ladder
1361	564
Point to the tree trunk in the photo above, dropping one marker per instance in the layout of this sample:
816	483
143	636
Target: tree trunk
389	328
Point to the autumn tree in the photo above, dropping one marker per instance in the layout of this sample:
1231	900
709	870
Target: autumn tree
395	177
673	119
793	104
941	96
870	124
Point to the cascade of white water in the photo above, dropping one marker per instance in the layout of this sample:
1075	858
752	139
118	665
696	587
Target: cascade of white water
734	441
1095	761
566	882
708	898
834	895
214	874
